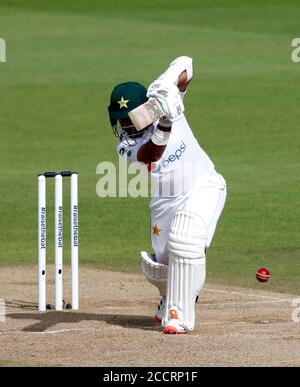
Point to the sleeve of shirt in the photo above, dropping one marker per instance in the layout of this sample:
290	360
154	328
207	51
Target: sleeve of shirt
182	94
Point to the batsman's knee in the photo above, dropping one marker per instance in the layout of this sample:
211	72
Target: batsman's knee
187	236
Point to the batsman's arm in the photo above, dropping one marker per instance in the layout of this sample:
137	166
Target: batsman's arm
153	151
183	81
155	147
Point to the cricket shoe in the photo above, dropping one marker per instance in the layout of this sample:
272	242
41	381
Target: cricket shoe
174	326
160	310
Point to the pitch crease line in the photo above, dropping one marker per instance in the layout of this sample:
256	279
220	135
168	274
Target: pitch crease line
253	295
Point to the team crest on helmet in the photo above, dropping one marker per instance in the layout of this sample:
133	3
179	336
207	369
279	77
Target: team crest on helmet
123	102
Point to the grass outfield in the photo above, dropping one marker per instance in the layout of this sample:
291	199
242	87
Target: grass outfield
64	58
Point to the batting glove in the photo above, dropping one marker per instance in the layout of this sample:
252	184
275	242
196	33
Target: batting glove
168	96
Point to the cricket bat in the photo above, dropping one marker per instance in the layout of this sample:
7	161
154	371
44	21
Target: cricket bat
145	114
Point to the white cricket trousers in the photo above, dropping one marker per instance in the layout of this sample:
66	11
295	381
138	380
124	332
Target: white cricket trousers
207	201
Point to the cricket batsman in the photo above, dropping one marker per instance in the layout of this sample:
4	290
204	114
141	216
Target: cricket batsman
189	195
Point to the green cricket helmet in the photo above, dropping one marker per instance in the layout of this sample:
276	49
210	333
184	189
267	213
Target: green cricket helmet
124	98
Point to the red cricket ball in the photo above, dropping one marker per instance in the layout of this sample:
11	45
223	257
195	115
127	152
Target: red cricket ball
263	275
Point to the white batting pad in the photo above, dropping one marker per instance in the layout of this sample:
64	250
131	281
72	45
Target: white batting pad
185	281
188	234
187	239
156	273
